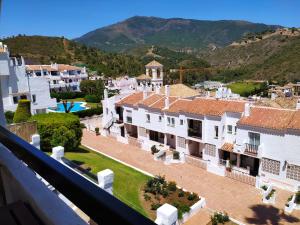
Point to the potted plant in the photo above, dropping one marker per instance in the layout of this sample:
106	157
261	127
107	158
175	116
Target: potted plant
97	131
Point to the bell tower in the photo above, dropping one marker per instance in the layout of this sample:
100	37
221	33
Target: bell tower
155	70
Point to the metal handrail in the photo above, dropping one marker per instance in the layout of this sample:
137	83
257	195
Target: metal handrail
100	206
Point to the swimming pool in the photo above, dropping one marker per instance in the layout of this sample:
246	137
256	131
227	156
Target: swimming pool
78	106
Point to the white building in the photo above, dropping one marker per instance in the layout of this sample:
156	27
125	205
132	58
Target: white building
15	85
154	75
227	137
60	76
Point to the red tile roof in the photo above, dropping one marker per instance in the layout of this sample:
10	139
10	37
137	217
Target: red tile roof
227	147
161	103
295	122
132	99
269	118
151	99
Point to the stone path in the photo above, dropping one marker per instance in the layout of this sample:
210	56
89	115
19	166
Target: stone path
241	201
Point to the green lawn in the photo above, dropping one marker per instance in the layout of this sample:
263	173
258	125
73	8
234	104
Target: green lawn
127	182
244	88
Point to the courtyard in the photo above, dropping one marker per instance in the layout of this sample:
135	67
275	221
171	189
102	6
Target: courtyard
241	201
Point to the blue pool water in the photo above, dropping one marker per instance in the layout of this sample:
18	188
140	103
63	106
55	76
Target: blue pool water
77	107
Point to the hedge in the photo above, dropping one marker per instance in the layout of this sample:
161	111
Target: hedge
92	98
9	116
88	112
67	95
22	113
55	129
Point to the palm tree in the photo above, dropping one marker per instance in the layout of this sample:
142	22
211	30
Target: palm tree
68	108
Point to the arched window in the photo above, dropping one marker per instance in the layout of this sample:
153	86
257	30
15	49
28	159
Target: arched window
158	73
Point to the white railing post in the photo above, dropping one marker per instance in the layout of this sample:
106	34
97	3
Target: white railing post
58	152
106	180
166	215
36	140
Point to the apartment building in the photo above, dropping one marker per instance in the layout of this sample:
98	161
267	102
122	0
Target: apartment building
16	85
221	136
61	77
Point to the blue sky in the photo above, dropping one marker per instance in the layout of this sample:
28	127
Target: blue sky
72	18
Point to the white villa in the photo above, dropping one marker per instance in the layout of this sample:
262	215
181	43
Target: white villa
15	85
232	138
60	76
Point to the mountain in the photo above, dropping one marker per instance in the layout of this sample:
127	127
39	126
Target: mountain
271	56
176	33
44	50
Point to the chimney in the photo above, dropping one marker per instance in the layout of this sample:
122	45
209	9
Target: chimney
167	91
167	102
298	104
105	94
247	109
157	89
144	92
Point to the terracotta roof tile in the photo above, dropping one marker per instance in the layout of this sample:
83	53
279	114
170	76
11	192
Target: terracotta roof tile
154	63
269	118
132	99
151	99
161	103
227	147
295	122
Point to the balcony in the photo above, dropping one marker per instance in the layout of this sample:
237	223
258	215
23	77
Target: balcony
194	133
251	149
28	178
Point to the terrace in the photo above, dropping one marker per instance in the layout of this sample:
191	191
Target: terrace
22	191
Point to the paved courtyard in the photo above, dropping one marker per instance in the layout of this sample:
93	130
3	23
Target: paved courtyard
241	201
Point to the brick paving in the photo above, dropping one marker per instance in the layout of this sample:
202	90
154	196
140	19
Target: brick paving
241	201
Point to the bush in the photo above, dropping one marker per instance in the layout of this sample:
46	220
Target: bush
23	112
155	206
264	187
182	208
270	194
92	98
181	193
165	193
147	197
172	186
219	218
88	112
175	155
154	150
67	95
52	125
9	116
297	198
192	196
155	185
97	130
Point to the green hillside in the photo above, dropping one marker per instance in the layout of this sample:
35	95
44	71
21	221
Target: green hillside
175	33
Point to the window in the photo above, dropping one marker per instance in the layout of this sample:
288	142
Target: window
106	109
181	122
173	121
235	130
148	118
33	98
210	150
181	142
142	132
23	97
15	99
254	138
159	118
293	172
229	129
216	132
169	120
270	166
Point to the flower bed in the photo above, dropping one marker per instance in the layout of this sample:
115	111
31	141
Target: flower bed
158	191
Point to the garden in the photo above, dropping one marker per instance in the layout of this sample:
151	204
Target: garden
246	89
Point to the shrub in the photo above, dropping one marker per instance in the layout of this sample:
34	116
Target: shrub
9	116
192	196
219	218
92	98
172	186
270	194
67	95
165	193
264	187
88	112
49	127
155	206
154	150
155	185
22	113
176	155
97	130
180	193
297	197
181	209
147	197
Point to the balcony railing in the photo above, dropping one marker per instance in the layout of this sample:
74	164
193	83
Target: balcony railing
100	206
251	149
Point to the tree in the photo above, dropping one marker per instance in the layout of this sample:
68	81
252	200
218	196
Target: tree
92	87
23	112
67	107
62	136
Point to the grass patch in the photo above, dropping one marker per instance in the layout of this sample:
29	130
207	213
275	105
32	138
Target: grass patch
245	88
128	182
